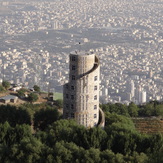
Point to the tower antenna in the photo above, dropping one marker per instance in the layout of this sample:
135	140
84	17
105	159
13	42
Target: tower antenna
79	46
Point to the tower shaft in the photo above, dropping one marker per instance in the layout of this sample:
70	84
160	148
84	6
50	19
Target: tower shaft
81	93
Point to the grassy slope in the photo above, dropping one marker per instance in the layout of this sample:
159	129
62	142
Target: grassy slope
149	125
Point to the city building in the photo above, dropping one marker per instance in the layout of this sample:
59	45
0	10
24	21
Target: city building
81	93
130	89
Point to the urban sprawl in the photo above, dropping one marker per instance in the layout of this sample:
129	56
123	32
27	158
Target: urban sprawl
36	38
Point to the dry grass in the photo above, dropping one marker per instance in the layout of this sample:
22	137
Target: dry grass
149	125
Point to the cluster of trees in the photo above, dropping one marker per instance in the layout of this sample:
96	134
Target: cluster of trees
31	97
153	108
2	89
4	86
39	115
56	140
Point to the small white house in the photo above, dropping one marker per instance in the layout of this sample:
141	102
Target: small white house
8	98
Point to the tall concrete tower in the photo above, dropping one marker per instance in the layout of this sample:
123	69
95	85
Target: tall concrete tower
81	93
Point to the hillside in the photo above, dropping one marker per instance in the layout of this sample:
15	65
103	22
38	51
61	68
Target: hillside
149	125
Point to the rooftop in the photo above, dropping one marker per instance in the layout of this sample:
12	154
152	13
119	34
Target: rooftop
77	52
8	97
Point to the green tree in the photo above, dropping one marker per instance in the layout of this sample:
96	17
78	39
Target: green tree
159	110
14	115
36	88
157	156
6	84
91	156
21	92
44	117
32	97
62	152
121	132
91	138
66	130
113	119
2	89
107	155
117	108
77	152
136	158
147	110
12	135
133	110
59	103
3	132
29	150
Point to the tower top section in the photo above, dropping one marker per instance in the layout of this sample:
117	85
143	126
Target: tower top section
81	53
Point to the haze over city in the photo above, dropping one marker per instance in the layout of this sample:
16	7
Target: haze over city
81	81
36	38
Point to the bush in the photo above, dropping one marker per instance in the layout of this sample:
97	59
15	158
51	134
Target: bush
6	84
32	97
2	89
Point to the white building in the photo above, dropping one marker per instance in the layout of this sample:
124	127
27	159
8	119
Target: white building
130	88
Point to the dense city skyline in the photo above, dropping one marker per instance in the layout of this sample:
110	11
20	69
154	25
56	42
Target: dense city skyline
36	39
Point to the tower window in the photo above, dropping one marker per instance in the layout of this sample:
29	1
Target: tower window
66	86
72	87
73	67
95	78
95	107
66	106
67	115
95	87
72	115
73	58
95	116
72	106
95	97
72	97
66	95
73	77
